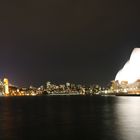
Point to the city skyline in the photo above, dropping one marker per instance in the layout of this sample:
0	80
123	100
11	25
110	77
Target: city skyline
66	41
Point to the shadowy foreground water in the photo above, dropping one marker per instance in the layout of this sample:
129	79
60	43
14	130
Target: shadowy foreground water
70	118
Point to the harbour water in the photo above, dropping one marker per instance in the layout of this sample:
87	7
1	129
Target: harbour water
70	118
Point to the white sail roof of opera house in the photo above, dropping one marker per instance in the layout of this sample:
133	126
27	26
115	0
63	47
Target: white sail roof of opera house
131	70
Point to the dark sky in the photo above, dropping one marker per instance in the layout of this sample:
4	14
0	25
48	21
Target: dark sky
80	41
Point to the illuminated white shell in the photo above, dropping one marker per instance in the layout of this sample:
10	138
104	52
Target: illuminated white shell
131	70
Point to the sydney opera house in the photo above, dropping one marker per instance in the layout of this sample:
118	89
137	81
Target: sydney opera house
128	78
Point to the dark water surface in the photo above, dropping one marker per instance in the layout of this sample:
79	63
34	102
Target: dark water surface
70	118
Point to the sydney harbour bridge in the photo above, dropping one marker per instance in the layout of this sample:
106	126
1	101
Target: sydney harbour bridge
4	87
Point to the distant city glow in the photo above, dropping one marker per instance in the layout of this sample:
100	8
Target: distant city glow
131	70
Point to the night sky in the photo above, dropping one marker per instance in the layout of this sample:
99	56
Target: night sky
80	41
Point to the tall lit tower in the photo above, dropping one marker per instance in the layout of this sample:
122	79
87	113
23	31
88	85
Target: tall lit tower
6	86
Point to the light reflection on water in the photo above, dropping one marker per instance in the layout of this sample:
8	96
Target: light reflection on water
128	117
71	118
